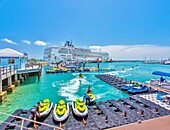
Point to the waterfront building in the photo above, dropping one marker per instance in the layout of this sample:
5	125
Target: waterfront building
70	53
11	57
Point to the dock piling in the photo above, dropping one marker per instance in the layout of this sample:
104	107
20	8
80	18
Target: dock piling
9	81
98	66
39	75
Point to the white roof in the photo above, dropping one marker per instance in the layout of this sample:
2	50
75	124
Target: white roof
7	52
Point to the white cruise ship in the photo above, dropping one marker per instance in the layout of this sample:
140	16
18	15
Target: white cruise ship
70	53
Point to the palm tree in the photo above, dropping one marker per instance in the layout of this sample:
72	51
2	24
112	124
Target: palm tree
33	60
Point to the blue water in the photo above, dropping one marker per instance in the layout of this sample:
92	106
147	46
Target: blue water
66	85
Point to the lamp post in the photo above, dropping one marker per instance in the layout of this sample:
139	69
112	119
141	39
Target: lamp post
98	66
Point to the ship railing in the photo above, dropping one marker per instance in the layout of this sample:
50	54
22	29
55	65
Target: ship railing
22	119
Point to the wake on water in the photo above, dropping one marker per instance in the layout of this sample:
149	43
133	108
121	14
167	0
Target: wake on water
121	73
70	88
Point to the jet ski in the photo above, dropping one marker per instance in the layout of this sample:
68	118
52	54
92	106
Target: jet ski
81	76
61	111
79	108
45	108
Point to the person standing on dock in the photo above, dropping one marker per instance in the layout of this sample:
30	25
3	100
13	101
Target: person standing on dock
161	81
87	98
34	113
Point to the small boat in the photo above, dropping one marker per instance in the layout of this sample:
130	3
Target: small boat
79	108
92	97
128	86
63	69
167	62
61	111
52	71
45	108
56	70
138	89
48	71
93	69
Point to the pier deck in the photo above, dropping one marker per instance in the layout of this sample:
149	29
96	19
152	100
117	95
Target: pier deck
30	69
162	123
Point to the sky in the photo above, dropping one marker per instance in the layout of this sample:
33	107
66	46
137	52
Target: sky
127	29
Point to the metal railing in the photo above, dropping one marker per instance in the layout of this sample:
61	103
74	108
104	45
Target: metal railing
25	119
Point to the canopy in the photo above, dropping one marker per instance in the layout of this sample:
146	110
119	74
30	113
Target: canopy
7	52
161	73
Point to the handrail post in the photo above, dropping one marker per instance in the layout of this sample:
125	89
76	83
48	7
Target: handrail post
22	123
13	67
6	71
3	70
10	67
0	72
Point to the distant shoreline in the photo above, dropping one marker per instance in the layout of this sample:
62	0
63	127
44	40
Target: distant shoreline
112	61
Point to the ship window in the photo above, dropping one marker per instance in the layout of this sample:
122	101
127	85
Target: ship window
11	61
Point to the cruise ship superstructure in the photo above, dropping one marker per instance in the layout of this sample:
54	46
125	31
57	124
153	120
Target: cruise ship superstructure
70	53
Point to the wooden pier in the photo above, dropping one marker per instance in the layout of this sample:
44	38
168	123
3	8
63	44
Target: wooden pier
13	76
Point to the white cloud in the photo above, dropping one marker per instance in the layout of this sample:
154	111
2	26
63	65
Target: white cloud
8	41
26	41
139	52
40	43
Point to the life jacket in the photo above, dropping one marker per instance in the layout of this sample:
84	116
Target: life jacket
90	95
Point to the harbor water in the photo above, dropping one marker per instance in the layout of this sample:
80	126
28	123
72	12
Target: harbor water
68	87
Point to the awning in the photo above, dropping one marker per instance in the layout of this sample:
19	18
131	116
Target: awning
7	52
161	73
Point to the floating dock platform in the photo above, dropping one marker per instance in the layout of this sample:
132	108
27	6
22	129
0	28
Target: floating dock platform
119	82
103	115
